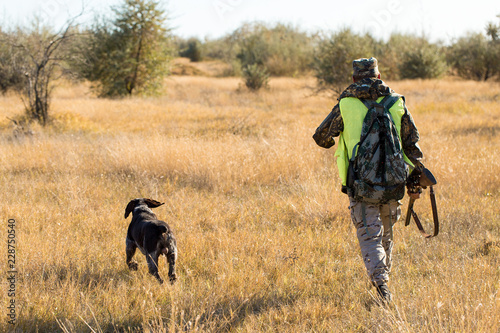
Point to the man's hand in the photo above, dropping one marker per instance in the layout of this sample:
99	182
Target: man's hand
414	196
413	185
414	191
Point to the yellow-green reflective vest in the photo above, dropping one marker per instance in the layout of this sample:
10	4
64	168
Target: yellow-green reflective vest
353	113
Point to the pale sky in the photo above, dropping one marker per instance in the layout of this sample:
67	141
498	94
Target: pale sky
442	20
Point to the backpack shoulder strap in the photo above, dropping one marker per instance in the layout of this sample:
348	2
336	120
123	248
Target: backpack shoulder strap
390	100
387	102
368	102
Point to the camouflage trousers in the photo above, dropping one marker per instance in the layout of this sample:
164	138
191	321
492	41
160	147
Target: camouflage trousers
374	232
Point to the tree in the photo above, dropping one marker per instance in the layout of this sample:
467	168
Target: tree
11	76
475	57
253	54
334	56
253	50
290	50
493	32
130	54
34	59
392	53
423	61
282	49
191	49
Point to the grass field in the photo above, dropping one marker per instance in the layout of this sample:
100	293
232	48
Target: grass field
264	235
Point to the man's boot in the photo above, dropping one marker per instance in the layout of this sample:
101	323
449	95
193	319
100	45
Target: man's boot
384	293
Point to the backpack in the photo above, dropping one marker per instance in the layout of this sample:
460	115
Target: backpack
377	173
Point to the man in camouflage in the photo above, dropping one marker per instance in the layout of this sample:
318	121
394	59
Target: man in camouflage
373	222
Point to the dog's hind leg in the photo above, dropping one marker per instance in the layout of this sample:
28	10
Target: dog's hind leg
171	258
152	259
130	250
169	249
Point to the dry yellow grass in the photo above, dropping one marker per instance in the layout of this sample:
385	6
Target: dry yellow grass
264	234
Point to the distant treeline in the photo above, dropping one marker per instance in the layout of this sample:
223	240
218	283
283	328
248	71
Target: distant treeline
129	53
284	50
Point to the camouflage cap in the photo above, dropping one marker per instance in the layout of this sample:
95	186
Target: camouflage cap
365	68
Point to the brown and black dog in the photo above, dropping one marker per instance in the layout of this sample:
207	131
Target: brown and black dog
152	236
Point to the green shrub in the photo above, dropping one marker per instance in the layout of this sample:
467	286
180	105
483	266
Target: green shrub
253	49
282	49
474	57
425	61
11	63
391	53
256	76
290	51
333	58
191	49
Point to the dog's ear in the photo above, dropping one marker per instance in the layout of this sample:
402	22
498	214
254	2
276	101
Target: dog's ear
153	203
130	207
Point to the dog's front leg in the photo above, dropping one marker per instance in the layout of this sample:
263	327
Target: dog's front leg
152	259
130	250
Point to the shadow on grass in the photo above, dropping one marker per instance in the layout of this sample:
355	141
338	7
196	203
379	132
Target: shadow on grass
38	313
228	314
486	130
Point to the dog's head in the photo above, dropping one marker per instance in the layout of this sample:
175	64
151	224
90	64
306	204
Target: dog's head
139	202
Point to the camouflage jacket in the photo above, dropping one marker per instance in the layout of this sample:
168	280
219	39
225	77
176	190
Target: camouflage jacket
369	88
